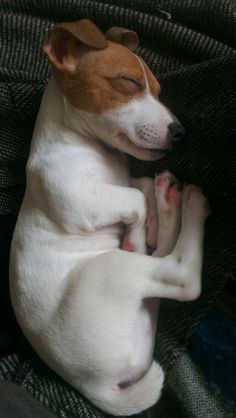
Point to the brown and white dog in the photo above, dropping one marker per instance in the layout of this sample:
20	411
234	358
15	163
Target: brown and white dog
88	307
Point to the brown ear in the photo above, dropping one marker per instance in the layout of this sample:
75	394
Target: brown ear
123	36
62	45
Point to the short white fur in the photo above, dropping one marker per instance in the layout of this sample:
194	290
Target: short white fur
79	298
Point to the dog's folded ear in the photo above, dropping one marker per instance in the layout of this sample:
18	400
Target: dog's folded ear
64	40
123	36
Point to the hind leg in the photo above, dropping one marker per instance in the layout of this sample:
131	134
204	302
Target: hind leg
180	274
174	271
128	275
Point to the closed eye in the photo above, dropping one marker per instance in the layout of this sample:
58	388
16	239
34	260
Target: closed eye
132	80
126	85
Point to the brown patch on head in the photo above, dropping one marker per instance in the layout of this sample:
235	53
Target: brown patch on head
94	74
105	80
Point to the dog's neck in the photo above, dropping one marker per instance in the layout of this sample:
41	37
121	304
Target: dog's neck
81	122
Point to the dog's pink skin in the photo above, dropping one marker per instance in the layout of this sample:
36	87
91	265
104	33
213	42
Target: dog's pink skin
127	245
173	192
160	182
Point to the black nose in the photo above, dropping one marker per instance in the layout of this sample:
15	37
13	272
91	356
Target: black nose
176	132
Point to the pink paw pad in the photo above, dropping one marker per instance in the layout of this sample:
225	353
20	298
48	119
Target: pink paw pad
127	245
160	182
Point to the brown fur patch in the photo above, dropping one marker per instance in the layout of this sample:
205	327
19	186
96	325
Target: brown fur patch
99	82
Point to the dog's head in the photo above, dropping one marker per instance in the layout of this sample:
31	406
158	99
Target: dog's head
110	93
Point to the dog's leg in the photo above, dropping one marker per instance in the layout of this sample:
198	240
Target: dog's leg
92	205
168	201
136	237
194	212
131	209
164	197
183	266
177	275
174	276
147	186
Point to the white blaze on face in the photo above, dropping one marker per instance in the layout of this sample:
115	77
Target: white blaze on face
152	127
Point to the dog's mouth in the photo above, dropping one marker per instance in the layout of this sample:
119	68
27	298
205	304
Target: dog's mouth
142	153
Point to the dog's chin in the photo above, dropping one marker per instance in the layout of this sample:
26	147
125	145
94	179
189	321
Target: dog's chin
141	153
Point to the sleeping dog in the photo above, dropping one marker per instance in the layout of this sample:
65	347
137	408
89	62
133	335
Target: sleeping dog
84	289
